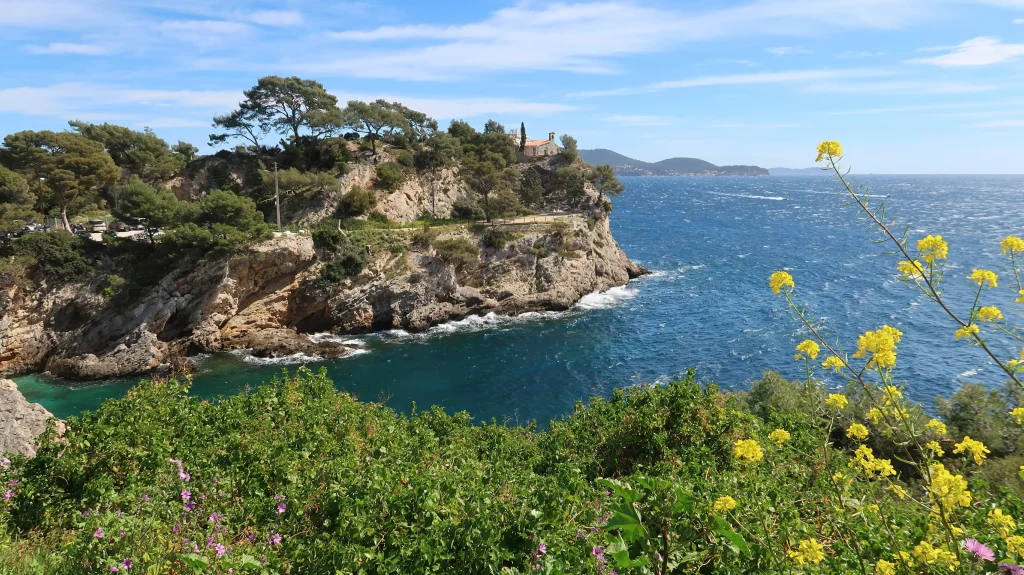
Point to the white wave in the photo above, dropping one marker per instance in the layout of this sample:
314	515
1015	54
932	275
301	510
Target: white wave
335	338
282	360
970	373
606	299
750	196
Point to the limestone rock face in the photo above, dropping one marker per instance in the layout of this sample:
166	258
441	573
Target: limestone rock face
21	422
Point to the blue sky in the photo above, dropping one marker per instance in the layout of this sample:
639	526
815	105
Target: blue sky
908	86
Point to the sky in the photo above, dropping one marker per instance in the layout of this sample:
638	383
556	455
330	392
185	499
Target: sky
907	86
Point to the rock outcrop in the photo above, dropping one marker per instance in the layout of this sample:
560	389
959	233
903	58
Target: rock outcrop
21	422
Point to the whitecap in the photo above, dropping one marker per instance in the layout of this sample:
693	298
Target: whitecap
282	360
606	299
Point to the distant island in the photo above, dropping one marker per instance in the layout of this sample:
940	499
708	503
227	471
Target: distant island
626	166
798	172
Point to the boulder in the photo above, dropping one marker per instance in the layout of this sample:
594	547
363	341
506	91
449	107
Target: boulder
21	422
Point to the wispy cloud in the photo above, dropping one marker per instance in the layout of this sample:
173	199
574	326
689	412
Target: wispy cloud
785	77
456	107
1001	124
901	87
204	33
980	51
1018	21
71	100
634	120
861	54
276	17
69	48
742	126
787	50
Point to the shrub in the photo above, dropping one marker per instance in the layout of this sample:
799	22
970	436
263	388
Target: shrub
114	286
389	176
468	207
336	271
58	255
356	202
327	239
378	217
496	239
406	160
424	237
459	252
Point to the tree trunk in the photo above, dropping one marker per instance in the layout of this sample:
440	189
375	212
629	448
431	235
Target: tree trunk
64	218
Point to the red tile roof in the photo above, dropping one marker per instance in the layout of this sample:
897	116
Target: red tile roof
538	142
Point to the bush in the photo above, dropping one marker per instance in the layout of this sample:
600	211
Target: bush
496	239
114	286
468	207
378	218
356	202
327	239
59	256
348	264
459	252
423	238
406	160
389	176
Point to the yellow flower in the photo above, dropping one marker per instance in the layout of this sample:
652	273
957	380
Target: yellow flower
836	400
989	313
1012	244
807	348
967	331
779	436
904	558
883	567
838	476
882	345
857	431
1015	544
898	490
807	551
946	489
724	503
1021	298
779	280
874	414
910	270
936	426
982	277
935	448
974	447
1002	522
937	556
892	393
833	362
872	507
865	460
932	248
748	450
1018	415
829	148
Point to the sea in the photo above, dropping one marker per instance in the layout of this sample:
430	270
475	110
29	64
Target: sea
711	243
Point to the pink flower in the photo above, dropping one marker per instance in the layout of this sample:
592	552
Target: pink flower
220	550
275	539
1011	569
98	534
114	569
186	495
8	494
280	508
542	549
979	550
127	564
215	518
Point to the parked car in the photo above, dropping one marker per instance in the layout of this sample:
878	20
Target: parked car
75	228
84	234
119	226
96	226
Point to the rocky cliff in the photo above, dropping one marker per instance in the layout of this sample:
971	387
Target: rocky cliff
273	301
21	422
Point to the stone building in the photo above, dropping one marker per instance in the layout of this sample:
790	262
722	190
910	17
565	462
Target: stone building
536	148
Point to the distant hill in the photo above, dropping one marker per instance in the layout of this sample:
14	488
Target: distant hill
626	166
797	172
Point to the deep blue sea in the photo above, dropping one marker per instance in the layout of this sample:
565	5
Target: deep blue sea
711	243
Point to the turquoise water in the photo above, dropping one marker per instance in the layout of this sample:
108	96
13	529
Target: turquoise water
712	242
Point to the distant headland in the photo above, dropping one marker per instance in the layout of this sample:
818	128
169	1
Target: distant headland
626	166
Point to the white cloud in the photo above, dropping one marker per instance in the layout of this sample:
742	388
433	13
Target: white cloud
640	120
754	126
50	14
980	51
787	50
1018	21
1001	124
901	87
71	100
204	33
463	107
69	48
276	17
786	77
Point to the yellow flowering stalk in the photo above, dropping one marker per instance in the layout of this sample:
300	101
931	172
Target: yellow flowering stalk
836	400
925	553
936	426
947	490
874	415
807	348
883	567
1012	245
724	504
934	448
1003	523
865	460
807	551
831	148
1018	415
989	313
932	248
1015	545
779	280
898	491
833	362
910	270
974	447
1021	298
881	343
857	431
982	277
748	450
967	331
779	436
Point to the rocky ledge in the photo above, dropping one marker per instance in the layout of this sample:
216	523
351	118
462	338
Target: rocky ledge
274	301
21	422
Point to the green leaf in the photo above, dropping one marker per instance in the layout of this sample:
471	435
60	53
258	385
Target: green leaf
196	562
738	545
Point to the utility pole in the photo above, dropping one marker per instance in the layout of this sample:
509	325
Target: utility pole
277	198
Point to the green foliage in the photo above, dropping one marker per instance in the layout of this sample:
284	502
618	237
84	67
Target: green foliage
390	175
493	127
114	285
980	412
337	270
327	239
570	151
424	237
531	190
406	160
59	256
293	181
378	217
467	207
458	252
604	180
572	182
186	151
356	202
143	154
138	203
461	130
496	239
374	118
